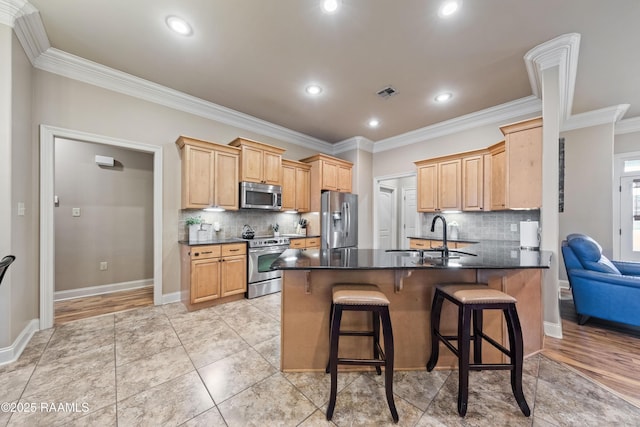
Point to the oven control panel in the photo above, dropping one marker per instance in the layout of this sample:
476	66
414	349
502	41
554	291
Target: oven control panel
260	242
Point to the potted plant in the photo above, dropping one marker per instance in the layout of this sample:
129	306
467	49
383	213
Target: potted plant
193	225
276	229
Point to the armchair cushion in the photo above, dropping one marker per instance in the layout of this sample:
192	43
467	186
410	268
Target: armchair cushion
589	252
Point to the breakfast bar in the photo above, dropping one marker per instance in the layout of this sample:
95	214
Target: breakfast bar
408	279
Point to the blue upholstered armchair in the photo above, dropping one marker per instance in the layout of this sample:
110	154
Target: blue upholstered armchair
601	288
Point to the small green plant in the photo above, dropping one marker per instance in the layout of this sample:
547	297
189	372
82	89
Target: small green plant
193	220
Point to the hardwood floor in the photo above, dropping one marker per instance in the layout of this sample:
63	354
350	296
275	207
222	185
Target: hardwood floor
81	308
606	352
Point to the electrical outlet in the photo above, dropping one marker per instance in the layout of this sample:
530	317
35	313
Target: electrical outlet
514	254
514	227
75	211
103	265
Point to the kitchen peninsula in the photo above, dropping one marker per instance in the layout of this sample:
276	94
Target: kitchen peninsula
408	281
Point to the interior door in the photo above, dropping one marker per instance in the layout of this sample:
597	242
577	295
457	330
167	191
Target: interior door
630	218
409	217
386	218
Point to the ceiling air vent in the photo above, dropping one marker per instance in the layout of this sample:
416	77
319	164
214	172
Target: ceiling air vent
387	92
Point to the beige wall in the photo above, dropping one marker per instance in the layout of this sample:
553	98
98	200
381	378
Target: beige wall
18	234
588	200
70	104
627	143
400	160
5	183
116	220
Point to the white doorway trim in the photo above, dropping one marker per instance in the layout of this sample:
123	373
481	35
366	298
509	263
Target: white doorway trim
48	134
376	188
618	172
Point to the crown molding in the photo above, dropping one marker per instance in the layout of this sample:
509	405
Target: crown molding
628	126
595	117
353	143
561	51
499	114
10	10
31	34
71	66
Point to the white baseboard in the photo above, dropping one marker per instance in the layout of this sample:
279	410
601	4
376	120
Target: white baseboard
11	353
553	329
171	298
101	290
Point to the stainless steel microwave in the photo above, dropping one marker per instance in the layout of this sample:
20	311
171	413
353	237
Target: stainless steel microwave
260	196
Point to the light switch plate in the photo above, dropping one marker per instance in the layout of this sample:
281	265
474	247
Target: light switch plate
21	209
514	227
75	211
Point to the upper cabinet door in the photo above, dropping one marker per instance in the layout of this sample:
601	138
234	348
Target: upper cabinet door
473	183
226	180
498	177
428	187
272	164
303	182
449	177
329	176
197	177
252	164
289	186
344	179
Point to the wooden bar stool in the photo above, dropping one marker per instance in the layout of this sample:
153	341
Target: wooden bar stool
361	297
472	299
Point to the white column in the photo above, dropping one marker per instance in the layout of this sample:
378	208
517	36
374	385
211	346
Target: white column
549	216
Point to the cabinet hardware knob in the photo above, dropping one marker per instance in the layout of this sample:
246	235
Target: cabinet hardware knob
234	250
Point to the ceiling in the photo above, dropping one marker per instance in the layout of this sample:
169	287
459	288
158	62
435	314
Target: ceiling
257	57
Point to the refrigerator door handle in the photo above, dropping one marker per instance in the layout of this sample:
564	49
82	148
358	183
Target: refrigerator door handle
347	219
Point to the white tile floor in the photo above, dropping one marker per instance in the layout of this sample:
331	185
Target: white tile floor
220	366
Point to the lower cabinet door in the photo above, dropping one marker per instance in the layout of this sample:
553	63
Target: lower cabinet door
233	275
205	280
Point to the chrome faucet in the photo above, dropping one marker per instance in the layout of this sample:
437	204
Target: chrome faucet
445	248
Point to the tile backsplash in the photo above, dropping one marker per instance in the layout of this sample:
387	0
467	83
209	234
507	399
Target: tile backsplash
231	222
481	225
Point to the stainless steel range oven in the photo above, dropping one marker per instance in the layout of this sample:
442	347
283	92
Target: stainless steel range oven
262	252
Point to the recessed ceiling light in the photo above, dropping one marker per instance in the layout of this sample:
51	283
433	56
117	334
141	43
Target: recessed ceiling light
443	97
449	7
313	89
374	123
330	6
179	25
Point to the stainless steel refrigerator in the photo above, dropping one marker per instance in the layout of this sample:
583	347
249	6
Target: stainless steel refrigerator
339	220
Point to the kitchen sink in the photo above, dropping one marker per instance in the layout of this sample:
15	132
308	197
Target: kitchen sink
428	254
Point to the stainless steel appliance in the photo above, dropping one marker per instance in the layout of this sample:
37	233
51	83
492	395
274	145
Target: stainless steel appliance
262	252
339	220
260	196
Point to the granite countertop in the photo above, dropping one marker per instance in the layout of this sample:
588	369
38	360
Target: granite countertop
488	254
238	240
212	242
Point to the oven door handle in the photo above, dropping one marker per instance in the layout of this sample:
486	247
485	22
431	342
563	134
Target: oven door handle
271	249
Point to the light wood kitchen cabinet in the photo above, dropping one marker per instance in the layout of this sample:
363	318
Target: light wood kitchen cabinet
473	181
439	184
259	162
209	174
516	167
427	187
212	273
328	173
296	181
305	243
498	176
430	244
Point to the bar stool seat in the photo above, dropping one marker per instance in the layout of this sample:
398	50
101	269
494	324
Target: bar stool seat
367	298
471	300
